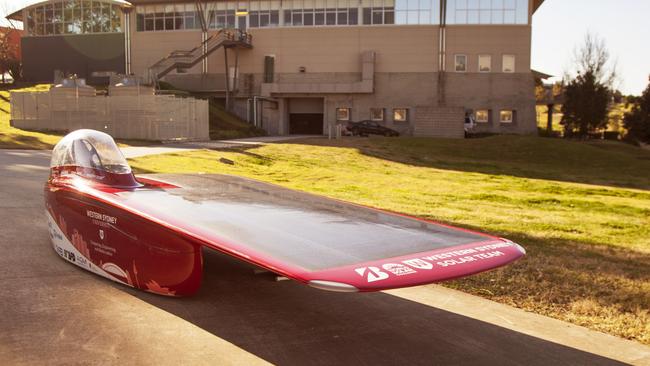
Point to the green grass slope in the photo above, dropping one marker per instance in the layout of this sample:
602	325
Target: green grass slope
582	210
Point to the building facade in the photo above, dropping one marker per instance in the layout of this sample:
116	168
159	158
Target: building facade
418	66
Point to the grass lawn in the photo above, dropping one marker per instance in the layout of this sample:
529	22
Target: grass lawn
13	138
581	209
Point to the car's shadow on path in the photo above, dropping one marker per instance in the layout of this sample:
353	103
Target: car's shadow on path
286	323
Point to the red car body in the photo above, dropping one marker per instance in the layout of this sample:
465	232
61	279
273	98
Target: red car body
148	232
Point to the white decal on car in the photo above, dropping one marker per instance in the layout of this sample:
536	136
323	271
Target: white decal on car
418	263
398	269
372	274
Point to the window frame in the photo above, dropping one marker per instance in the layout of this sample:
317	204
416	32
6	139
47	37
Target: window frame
383	114
503	63
348	112
512	116
487	114
406	114
456	62
489	58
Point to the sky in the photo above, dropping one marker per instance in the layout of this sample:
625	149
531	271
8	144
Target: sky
560	25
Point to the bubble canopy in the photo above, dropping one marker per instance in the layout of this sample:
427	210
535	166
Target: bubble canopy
89	149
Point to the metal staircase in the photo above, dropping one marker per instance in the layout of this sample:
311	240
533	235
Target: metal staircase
178	60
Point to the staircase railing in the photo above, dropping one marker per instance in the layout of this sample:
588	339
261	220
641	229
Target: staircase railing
187	58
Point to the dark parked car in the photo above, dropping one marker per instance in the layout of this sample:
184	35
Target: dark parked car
365	128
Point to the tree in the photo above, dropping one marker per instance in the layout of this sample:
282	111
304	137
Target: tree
10	53
637	121
588	93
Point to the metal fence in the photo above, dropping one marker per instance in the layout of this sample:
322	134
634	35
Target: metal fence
142	117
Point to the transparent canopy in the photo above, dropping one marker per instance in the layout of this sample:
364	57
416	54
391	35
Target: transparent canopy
89	149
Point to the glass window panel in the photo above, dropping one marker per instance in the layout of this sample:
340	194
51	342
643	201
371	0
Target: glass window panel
497	16
400	114
308	19
342	18
484	17
179	23
367	19
485	4
425	4
425	17
297	19
413	4
389	17
49	29
265	19
497	4
522	12
159	24
376	114
353	17
319	18
484	63
412	17
472	4
287	17
461	5
149	25
461	17
460	63
508	17
472	17
508	63
275	18
330	18
505	116
377	17
482	116
509	4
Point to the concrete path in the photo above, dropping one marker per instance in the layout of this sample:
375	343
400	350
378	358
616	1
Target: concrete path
52	312
137	151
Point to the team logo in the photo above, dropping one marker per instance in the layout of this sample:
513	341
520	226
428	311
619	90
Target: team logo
418	263
101	234
372	274
398	269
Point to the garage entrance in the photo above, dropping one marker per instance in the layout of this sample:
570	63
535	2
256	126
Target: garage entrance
306	116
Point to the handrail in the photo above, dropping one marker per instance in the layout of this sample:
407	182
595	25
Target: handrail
188	58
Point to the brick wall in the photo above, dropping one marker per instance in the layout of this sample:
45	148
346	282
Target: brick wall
444	122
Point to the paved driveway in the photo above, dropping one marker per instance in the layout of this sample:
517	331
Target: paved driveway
51	312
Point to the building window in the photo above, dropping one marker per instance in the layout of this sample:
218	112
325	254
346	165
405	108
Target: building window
460	63
506	116
167	17
377	114
400	114
482	116
487	11
73	17
264	14
508	63
484	63
320	12
342	114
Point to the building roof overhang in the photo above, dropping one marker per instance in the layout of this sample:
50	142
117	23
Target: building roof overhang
18	14
537	4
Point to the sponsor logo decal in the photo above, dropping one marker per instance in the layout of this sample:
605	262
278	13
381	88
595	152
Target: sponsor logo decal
372	274
101	217
398	269
444	259
418	263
